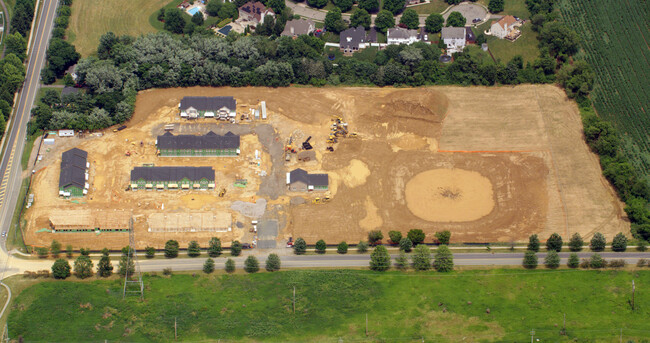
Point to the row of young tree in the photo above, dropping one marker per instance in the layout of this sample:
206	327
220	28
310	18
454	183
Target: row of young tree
552	261
60	54
576	243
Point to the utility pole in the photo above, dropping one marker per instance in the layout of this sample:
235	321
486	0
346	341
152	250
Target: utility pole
633	290
294	299
366	324
532	335
175	333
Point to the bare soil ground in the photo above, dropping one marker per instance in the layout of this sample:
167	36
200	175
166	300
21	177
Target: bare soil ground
504	162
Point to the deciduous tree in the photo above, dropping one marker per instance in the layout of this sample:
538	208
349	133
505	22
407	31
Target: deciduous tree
235	248
369	5
434	22
375	237
554	242
443	237
552	260
60	269
619	243
342	248
174	21
384	21
576	242
495	6
360	17
317	3
362	247
456	19
402	261
334	21
573	261
530	260
597	242
321	246
405	244
416	236
104	267
410	19
83	267
55	248
394	6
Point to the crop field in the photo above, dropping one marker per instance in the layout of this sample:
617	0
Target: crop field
91	19
615	38
331	306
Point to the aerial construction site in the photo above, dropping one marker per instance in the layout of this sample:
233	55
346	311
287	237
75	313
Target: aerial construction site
489	164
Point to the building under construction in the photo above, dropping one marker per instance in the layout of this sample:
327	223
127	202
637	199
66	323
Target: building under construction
190	222
162	178
89	221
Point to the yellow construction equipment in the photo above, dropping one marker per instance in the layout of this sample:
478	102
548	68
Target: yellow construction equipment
316	201
353	135
222	192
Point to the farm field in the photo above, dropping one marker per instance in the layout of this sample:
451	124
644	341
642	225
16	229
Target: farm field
507	162
332	306
615	39
91	19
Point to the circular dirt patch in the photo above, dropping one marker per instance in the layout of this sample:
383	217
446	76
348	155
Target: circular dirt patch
449	195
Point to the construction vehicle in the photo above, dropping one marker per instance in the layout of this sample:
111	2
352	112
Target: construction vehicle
330	149
222	192
353	135
128	153
306	145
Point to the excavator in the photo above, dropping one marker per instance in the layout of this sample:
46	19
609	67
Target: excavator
222	192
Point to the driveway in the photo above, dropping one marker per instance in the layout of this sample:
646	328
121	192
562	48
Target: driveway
469	11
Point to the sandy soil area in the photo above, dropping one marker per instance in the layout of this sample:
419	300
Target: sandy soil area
449	195
489	164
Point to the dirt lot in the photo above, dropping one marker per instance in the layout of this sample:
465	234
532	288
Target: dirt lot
489	164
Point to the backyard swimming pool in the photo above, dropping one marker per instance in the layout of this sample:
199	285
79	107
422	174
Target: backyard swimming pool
193	11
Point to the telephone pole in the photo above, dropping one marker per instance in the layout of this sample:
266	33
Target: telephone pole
633	290
532	335
294	299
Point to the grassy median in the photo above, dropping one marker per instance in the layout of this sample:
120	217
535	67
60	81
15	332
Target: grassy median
332	304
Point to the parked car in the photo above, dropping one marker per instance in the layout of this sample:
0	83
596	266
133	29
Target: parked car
245	246
476	20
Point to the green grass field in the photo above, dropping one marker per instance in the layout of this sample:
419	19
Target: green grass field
334	304
526	45
14	234
91	19
435	6
615	40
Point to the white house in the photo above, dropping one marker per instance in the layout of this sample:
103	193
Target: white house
399	35
505	27
454	38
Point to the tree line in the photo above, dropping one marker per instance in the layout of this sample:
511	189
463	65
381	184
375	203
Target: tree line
12	70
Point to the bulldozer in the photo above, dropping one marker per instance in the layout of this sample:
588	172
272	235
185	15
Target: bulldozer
353	135
222	192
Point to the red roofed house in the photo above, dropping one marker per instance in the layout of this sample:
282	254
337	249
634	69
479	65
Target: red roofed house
254	12
505	27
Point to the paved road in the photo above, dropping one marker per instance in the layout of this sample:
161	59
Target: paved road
362	260
10	168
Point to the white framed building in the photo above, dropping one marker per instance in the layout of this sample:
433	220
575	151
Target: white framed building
454	39
399	35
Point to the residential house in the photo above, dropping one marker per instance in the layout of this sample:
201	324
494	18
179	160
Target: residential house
400	35
300	180
505	28
74	173
353	40
221	107
172	178
454	38
209	144
254	12
297	27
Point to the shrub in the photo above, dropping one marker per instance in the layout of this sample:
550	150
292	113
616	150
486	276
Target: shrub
641	262
299	246
619	243
402	261
421	257
342	248
167	271
533	243
193	249
150	252
171	248
251	265
321	246
405	244
530	260
60	269
208	266
362	247
443	237
554	242
84	251
104	267
230	266
552	260
395	236
42	252
596	262
597	242
444	259
642	245
576	242
619	263
416	236
68	251
235	248
379	259
573	261
375	237
273	263
584	264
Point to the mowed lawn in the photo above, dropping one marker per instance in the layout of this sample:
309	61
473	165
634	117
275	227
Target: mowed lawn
91	19
468	306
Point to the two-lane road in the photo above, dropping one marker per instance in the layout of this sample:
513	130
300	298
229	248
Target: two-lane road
10	168
362	260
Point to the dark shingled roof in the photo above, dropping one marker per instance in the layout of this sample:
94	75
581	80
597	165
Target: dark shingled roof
172	173
352	37
73	168
309	179
208	141
204	103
